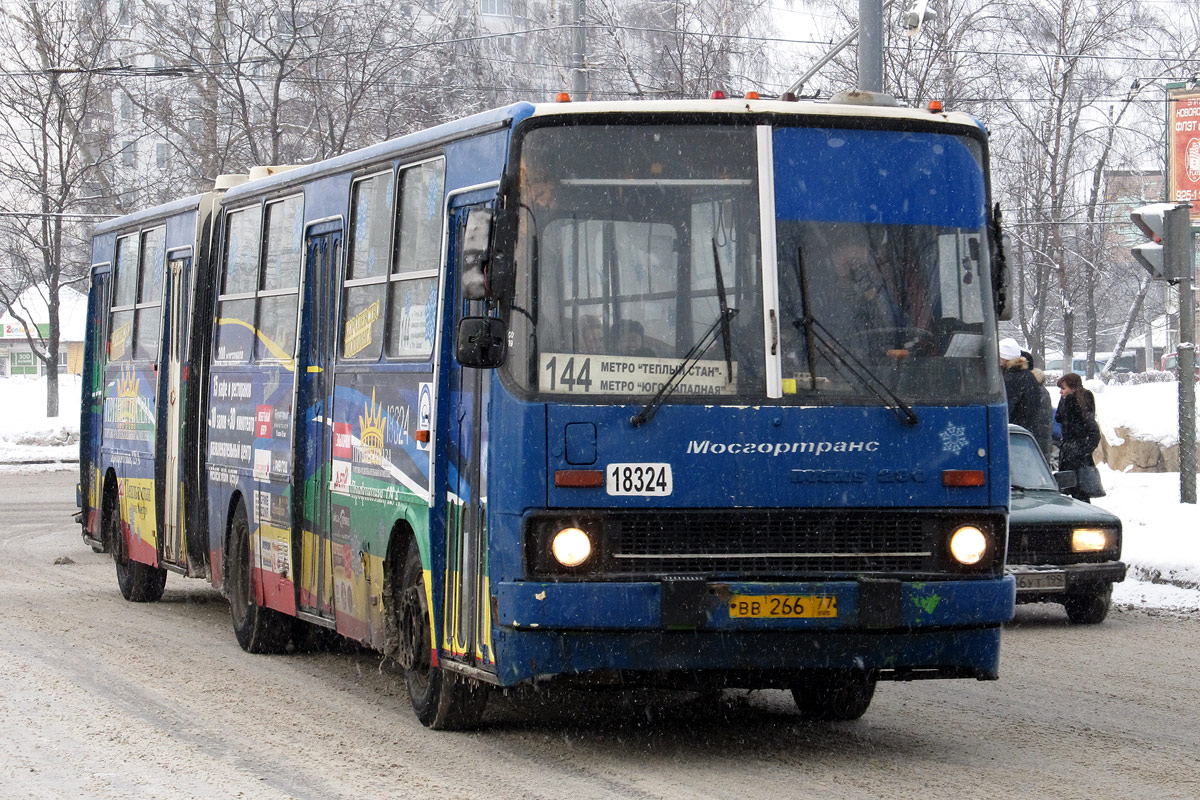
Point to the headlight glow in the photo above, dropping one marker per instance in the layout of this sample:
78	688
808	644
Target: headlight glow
1088	540
968	545
571	547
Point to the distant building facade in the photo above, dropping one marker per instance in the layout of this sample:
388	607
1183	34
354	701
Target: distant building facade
16	355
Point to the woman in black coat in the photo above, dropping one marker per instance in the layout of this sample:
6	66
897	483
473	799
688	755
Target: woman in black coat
1080	433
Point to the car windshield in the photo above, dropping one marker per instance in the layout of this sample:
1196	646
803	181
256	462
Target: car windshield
1027	467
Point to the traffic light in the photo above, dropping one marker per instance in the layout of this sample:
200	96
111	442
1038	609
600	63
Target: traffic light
1169	255
914	14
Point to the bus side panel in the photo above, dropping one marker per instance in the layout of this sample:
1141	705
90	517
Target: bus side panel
380	476
249	453
129	433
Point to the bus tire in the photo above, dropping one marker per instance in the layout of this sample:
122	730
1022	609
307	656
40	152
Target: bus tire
836	694
442	700
139	583
258	629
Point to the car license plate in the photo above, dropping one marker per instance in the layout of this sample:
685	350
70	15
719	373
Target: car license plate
781	606
1041	581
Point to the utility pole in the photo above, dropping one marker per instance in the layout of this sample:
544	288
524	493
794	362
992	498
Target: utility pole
870	45
579	81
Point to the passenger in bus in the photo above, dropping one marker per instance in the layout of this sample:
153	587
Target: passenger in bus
631	339
591	334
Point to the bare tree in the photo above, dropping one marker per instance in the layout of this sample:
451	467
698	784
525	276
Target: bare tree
1057	143
48	154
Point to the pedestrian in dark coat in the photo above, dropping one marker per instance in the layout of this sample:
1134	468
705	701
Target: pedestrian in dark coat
1080	432
1044	432
1025	393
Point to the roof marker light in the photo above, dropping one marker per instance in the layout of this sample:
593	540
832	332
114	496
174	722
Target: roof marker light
935	106
562	97
788	97
751	95
718	94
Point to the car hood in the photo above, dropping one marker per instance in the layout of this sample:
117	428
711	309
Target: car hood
1042	507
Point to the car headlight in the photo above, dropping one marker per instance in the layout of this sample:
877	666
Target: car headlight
571	547
968	545
1089	540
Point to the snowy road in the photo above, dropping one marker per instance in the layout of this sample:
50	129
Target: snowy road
104	699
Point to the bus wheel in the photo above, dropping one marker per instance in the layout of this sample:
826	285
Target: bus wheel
835	694
442	700
140	583
258	629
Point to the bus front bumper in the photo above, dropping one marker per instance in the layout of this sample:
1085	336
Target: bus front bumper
897	630
864	604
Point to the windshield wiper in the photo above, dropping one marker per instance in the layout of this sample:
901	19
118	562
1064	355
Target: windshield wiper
840	354
725	316
850	363
721	323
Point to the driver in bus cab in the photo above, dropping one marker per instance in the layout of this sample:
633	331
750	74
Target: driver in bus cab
866	303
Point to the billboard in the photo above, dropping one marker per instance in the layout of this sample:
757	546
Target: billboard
1183	146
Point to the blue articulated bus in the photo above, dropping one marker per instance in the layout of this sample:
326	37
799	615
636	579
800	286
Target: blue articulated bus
698	394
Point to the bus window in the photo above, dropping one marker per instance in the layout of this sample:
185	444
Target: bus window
124	298
280	280
235	312
149	306
618	228
367	267
412	291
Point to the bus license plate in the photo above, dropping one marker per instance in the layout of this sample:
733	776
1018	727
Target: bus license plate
639	480
781	606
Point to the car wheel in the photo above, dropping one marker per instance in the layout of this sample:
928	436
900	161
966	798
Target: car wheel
835	694
1090	608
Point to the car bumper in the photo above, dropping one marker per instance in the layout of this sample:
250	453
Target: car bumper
1038	583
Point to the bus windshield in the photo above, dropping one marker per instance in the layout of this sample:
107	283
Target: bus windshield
634	242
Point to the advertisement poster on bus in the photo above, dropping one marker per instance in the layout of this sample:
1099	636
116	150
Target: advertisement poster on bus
1183	146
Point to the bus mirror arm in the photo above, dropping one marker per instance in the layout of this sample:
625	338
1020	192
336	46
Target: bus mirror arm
481	342
1001	274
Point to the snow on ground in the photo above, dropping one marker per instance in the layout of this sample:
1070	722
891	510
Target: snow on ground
26	433
1162	535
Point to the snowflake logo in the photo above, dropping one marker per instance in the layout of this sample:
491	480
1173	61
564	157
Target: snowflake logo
954	438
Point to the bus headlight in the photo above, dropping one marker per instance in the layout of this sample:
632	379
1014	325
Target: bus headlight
968	545
1089	540
571	547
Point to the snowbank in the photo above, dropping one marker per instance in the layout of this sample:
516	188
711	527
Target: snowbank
26	433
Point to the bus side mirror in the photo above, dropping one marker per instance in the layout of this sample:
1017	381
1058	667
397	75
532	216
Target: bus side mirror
477	234
1001	274
481	342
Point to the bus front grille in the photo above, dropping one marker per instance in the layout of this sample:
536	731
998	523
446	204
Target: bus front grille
750	543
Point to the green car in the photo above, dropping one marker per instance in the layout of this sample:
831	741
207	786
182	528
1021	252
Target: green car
1060	550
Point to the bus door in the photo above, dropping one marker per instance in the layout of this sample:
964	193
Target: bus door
95	357
171	544
312	475
466	630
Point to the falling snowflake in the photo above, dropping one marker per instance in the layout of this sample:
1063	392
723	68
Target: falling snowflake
954	438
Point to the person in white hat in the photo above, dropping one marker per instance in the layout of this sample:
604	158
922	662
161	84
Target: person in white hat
1025	393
